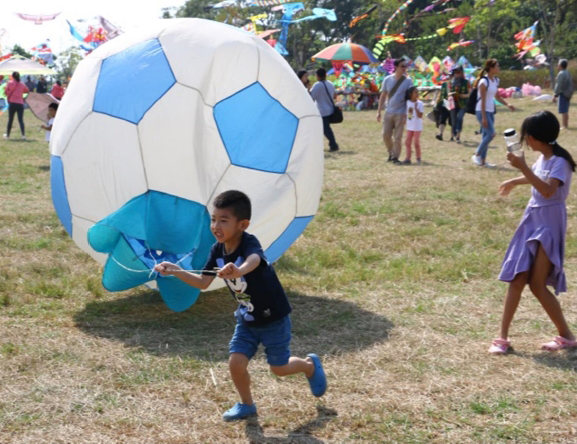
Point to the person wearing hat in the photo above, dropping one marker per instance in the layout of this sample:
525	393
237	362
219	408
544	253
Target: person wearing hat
459	90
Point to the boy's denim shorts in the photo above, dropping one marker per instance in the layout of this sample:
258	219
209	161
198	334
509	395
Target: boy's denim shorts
275	337
563	104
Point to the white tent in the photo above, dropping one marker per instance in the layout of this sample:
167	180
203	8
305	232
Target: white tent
24	66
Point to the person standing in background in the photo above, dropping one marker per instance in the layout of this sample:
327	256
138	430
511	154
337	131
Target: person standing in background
57	91
393	92
15	91
42	86
30	84
323	93
563	92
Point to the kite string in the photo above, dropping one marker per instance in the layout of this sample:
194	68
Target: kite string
152	271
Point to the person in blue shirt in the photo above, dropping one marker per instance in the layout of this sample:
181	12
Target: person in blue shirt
263	313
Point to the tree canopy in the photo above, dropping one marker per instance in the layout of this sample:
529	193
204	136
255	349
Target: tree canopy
493	26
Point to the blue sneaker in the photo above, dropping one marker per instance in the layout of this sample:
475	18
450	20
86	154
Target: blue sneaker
239	411
318	381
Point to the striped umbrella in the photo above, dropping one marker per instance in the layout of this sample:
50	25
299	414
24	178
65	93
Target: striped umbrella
345	52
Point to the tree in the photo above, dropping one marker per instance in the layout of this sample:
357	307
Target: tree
553	15
18	50
67	62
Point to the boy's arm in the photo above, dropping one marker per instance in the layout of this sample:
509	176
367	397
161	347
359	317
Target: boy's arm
231	271
194	280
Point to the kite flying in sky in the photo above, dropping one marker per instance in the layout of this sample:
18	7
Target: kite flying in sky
37	19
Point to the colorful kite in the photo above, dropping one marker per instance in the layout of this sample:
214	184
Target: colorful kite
112	31
289	10
43	53
329	14
460	43
456	24
427	10
392	17
37	19
525	41
363	16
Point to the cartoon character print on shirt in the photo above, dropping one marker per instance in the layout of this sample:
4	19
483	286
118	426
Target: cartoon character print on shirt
238	288
542	173
410	113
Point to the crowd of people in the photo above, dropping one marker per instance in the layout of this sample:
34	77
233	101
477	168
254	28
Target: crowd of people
402	107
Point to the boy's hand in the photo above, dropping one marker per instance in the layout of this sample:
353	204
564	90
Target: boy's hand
229	271
167	268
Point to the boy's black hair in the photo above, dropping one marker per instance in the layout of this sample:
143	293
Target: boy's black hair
563	63
54	106
397	62
321	73
544	126
237	201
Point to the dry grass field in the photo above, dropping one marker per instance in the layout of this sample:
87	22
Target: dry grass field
393	284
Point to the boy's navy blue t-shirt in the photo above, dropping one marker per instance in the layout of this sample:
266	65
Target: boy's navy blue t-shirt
260	295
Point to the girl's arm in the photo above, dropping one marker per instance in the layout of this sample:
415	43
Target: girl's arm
502	101
483	91
506	187
546	188
419	113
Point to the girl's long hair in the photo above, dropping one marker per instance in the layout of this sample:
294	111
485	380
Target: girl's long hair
544	127
490	63
16	76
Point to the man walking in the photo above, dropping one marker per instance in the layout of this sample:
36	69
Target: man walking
393	92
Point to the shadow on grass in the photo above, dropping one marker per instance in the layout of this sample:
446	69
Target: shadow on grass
330	154
142	321
302	434
562	360
44	167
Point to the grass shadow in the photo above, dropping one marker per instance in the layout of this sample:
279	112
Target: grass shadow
142	321
44	167
468	144
564	361
302	434
330	154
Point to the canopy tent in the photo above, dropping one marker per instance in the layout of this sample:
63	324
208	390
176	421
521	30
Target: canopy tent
24	66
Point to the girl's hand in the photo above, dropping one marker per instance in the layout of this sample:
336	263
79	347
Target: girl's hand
167	268
516	161
484	122
511	107
506	187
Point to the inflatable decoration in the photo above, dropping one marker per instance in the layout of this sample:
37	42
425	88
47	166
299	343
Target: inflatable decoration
156	123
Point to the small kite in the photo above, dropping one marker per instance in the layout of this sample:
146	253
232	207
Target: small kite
37	19
525	41
456	24
363	16
460	43
112	31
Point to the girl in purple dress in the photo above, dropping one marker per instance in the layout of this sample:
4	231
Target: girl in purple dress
535	254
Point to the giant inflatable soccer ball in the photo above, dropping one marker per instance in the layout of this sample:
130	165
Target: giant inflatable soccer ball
155	124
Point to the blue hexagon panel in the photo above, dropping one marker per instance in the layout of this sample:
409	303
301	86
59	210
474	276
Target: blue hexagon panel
131	81
257	131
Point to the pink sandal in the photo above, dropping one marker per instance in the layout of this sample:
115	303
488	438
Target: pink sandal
559	343
500	346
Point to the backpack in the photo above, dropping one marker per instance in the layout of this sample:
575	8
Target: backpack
471	107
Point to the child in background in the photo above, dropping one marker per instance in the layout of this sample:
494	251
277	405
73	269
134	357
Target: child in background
52	109
414	120
263	312
536	252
